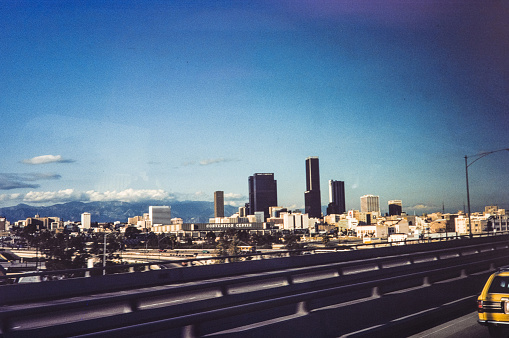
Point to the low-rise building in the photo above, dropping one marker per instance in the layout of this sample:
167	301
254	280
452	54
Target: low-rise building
373	230
479	222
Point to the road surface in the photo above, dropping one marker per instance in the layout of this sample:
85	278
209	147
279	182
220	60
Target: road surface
464	327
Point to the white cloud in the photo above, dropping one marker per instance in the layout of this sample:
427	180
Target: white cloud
51	196
213	161
9	197
128	195
422	206
45	159
68	195
234	197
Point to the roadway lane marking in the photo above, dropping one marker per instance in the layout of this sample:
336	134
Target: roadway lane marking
434	332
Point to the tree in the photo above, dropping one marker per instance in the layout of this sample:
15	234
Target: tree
291	241
210	237
173	239
131	232
63	251
228	245
222	247
325	239
233	248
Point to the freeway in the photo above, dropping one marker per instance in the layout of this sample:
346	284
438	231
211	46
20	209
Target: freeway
327	294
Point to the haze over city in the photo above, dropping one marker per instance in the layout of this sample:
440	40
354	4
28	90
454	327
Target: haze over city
173	100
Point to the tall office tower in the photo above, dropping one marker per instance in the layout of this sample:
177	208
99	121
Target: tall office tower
159	215
312	199
370	203
262	193
336	197
86	220
219	204
395	208
3	224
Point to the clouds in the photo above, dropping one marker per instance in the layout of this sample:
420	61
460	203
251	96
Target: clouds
45	159
68	195
10	181
235	200
214	161
207	161
128	195
65	195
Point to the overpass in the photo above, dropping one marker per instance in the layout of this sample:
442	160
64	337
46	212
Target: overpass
376	292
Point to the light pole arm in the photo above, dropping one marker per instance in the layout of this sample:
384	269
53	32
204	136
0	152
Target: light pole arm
479	156
468	196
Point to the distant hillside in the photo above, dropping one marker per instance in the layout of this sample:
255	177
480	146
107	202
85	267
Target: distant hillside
189	211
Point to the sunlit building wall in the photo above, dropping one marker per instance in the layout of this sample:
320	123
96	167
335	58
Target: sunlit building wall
159	215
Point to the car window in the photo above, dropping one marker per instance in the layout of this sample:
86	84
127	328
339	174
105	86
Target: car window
500	284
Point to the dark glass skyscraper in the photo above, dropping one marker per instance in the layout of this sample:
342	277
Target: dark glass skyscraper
262	193
312	199
395	208
336	197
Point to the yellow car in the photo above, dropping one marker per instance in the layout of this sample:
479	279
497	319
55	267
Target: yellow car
493	304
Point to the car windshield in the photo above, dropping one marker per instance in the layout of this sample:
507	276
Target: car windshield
500	284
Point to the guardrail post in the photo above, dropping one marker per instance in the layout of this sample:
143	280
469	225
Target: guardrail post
223	291
132	306
289	279
190	331
302	308
376	292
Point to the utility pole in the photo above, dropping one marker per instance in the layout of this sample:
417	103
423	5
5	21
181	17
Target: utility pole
104	255
477	157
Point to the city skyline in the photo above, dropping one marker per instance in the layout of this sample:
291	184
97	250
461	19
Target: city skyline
173	101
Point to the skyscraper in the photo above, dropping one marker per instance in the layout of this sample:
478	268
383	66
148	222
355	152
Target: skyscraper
312	199
336	197
262	193
370	203
395	207
219	204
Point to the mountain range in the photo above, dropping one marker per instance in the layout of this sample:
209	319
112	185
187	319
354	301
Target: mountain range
189	211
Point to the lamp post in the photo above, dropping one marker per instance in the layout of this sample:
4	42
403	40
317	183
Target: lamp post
477	157
104	254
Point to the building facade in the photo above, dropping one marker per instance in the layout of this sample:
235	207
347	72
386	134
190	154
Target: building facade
370	203
262	193
86	220
395	207
159	215
337	204
312	198
219	204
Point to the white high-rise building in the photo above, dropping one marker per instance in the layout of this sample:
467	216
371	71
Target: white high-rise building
295	221
370	203
86	220
159	215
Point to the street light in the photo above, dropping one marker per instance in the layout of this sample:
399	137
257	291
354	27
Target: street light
477	157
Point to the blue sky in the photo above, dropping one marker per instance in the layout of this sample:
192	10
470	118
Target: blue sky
172	100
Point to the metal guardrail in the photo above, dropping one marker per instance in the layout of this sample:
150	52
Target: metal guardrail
438	264
48	275
190	324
